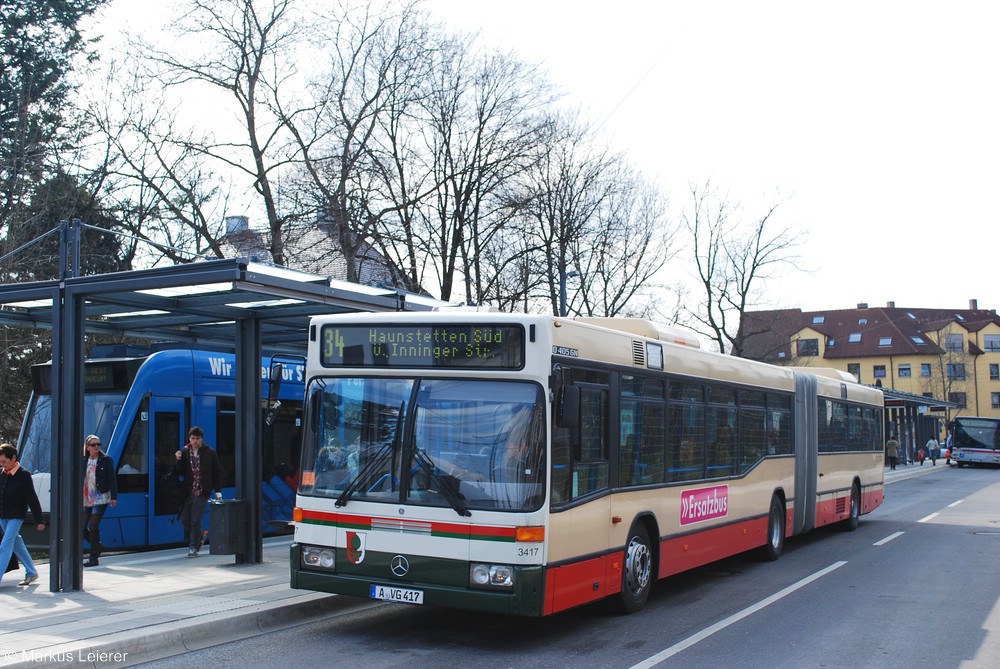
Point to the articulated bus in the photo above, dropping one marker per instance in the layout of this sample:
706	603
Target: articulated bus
530	464
141	404
975	441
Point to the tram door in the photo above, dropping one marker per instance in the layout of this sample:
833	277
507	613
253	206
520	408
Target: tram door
166	421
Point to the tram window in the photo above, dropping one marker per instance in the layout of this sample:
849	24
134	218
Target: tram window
135	456
167	425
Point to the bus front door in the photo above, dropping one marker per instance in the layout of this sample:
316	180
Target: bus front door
166	436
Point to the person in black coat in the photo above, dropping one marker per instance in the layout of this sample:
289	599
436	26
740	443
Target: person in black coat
17	495
199	465
100	489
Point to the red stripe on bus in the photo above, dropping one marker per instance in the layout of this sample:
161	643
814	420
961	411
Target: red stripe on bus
461	530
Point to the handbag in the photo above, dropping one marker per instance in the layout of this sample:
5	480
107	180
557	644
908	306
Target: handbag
12	565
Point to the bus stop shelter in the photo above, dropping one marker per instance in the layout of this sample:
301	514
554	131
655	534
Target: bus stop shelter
234	303
914	419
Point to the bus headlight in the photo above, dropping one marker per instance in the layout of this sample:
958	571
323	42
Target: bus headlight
319	557
491	576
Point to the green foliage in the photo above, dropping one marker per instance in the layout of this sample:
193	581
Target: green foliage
39	41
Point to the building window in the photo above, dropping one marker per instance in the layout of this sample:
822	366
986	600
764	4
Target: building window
995	400
855	369
925	369
957	398
954	342
956	371
808	347
994	372
854	338
879	371
885	341
830	343
818	320
904	371
918	340
991	343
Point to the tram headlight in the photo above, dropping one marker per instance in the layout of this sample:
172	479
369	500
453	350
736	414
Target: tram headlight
491	576
319	557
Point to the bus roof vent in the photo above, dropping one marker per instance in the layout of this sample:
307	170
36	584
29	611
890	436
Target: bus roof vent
646	328
638	353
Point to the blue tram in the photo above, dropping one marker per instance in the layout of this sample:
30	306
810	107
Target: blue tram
141	404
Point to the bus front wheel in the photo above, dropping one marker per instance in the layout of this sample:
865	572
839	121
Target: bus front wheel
637	572
771	550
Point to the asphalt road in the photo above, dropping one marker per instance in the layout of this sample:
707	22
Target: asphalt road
915	586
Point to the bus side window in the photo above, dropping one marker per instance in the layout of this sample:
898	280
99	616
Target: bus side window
590	469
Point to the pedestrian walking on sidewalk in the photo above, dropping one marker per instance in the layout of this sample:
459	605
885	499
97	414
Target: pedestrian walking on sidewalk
100	489
199	465
892	450
932	447
17	495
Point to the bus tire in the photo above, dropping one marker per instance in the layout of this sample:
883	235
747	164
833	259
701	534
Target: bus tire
851	522
771	550
637	570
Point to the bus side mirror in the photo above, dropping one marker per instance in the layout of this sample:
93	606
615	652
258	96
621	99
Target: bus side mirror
273	386
568	411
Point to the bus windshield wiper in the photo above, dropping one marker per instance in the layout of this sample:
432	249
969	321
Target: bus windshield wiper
446	484
374	464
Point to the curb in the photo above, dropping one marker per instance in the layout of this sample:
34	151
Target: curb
146	644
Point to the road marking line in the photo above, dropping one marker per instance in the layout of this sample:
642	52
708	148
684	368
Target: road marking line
888	539
735	618
926	518
955	503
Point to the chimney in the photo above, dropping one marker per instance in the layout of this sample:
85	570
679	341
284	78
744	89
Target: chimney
973	304
862	305
890	305
237	224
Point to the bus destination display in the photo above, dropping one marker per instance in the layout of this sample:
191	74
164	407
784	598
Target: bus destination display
461	345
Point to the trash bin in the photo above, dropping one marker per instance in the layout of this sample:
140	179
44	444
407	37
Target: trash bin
227	533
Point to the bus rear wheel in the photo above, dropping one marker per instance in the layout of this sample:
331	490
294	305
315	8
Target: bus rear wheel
637	572
771	549
851	522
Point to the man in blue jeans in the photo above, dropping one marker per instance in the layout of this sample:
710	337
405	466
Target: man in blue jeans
202	472
17	494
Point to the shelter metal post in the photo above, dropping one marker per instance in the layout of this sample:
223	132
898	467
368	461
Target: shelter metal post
66	507
249	467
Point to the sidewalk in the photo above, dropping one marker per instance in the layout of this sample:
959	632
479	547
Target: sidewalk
139	607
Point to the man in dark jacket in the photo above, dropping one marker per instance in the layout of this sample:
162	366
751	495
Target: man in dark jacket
202	472
100	489
17	494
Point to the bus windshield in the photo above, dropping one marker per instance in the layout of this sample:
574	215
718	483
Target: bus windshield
433	442
977	433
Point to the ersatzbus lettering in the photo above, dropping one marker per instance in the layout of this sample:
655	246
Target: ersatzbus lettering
975	441
530	464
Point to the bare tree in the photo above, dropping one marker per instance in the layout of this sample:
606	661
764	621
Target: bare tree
484	120
733	260
352	141
620	257
243	49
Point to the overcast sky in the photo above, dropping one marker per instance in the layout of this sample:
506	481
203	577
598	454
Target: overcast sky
876	123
